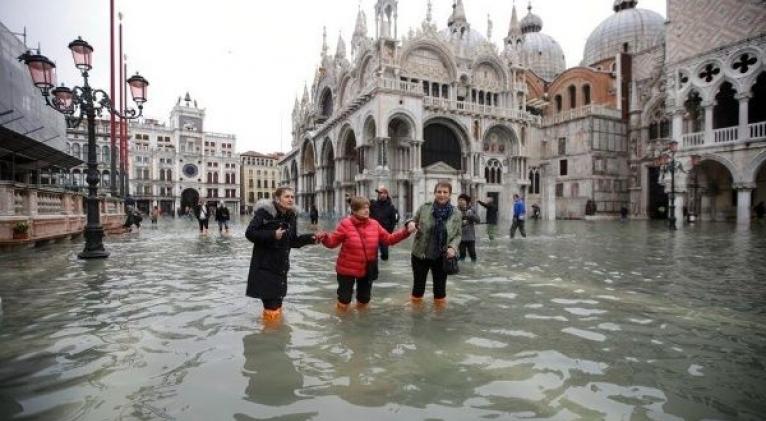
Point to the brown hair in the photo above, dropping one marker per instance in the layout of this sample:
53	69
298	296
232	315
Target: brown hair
281	190
358	202
443	184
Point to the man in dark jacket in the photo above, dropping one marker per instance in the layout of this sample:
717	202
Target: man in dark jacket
383	211
222	216
491	218
273	233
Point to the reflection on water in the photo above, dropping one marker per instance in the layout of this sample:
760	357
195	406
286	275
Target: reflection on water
578	321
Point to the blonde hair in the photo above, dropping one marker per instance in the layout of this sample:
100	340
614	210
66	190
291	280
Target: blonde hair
358	202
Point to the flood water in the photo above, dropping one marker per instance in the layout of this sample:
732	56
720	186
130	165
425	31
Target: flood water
579	321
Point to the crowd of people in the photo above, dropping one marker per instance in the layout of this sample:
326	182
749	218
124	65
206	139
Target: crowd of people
444	234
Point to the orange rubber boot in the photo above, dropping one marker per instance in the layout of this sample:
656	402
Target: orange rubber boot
362	306
272	318
440	303
341	308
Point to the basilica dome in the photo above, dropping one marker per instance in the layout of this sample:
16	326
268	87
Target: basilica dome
628	30
470	38
540	52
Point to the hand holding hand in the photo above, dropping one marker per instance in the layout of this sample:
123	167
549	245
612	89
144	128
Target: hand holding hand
411	227
279	233
450	252
319	236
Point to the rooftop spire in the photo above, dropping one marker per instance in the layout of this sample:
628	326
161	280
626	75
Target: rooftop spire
324	42
514	28
429	12
360	28
489	28
340	49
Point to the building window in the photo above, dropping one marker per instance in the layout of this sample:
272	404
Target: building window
560	190
558	103
586	95
563	167
575	189
572	97
562	146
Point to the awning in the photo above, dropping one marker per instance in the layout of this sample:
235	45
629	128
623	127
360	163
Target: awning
32	150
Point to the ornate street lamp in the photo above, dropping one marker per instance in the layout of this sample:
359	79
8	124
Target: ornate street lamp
667	163
86	103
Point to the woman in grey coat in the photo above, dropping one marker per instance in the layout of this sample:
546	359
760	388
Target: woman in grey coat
469	220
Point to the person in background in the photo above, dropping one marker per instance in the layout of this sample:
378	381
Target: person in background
384	211
274	233
535	211
491	208
155	215
760	210
519	216
203	216
222	216
438	234
359	236
469	219
624	213
314	214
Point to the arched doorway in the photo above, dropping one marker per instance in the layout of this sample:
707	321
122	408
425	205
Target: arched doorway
757	104
348	165
694	119
327	167
294	175
189	198
726	109
759	194
308	165
441	143
713	194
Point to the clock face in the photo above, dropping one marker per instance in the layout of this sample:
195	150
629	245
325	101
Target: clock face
190	170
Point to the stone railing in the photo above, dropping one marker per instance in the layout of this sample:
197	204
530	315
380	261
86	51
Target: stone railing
474	108
693	139
757	130
400	86
50	212
586	111
725	135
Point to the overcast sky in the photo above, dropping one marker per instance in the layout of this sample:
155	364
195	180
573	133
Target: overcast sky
244	61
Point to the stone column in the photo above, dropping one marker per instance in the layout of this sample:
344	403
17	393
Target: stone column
744	99
678	127
708	121
744	197
7	206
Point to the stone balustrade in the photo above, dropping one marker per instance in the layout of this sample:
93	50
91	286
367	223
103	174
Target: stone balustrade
582	112
726	135
50	212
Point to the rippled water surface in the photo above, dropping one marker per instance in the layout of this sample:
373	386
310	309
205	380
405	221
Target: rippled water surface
579	321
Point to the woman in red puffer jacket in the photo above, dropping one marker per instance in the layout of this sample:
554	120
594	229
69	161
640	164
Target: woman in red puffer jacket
359	237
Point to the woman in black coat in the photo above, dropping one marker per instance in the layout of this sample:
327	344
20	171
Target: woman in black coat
273	233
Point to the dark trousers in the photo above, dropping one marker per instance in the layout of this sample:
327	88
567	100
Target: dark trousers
272	304
314	220
420	268
470	247
383	252
518	223
346	289
202	224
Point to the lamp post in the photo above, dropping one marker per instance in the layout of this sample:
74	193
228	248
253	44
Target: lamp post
668	164
84	103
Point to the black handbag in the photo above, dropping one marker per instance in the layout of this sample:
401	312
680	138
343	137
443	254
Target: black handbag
371	272
449	264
